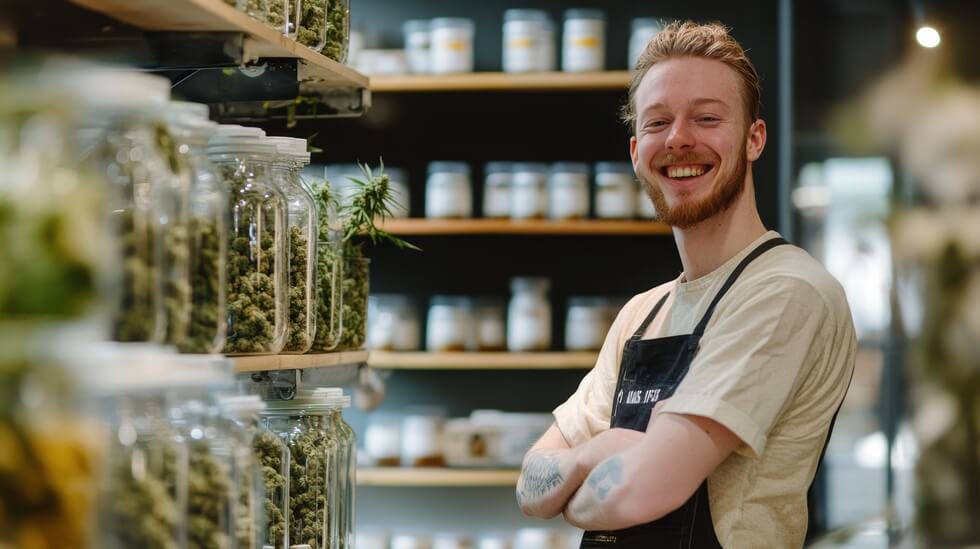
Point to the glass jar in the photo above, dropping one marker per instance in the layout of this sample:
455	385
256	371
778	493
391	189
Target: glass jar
269	511
451	46
615	190
447	327
382	439
207	229
301	220
303	425
529	191
398	183
422	438
523	40
586	323
257	249
584	41
354	288
568	191
642	30
122	138
393	323
496	189
276	15
337	34
646	208
329	263
346	464
256	9
448	191
529	315
549	45
489	333
417	36
311	22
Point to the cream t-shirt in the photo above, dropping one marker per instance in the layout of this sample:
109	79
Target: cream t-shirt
773	367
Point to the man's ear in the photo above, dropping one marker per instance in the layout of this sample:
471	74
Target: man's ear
633	151
756	141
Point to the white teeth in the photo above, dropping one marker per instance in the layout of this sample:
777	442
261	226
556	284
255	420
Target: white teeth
686	171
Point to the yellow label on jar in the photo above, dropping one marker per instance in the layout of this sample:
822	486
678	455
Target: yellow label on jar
586	42
456	45
523	42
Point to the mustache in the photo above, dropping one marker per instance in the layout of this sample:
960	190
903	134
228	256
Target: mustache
685	158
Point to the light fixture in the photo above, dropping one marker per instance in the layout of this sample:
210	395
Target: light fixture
928	37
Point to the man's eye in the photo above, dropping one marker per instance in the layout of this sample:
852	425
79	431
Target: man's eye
656	123
708	119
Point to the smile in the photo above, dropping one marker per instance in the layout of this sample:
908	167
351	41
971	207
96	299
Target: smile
685	172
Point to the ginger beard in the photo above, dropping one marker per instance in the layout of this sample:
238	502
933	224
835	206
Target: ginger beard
689	212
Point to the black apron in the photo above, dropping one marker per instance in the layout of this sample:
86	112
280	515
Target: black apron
650	371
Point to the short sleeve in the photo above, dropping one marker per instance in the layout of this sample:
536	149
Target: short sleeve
753	357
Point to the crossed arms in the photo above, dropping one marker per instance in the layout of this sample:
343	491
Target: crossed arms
621	478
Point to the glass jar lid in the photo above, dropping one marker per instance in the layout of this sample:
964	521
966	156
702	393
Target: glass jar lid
579	13
570	167
520	14
231	138
529	284
445	166
614	167
292	148
452	23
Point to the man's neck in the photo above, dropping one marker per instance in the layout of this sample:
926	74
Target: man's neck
709	244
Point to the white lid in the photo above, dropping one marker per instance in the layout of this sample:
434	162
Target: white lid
241	405
107	88
141	367
529	283
291	146
234	138
191	116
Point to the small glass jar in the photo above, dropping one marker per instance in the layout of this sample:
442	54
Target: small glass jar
398	183
497	189
393	323
529	315
584	41
422	438
302	234
523	40
447	326
207	229
615	190
448	191
586	323
355	286
417	45
337	34
383	439
302	423
645	207
257	249
568	191
256	9
529	191
451	46
489	333
642	30
549	45
346	503
311	22
329	262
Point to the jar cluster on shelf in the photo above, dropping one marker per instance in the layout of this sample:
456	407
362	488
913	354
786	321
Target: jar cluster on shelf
523	538
458	323
322	25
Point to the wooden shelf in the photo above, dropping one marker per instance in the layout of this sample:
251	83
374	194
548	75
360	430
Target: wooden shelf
482	361
502	81
260	363
216	16
608	227
435	476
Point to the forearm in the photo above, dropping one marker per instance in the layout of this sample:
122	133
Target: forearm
593	507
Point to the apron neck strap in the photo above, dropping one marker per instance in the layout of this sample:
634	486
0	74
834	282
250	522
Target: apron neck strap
638	334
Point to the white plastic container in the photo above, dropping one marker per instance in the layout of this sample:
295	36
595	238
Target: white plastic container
568	191
448	191
489	332
497	189
523	40
489	438
584	41
644	204
393	323
615	190
398	183
586	323
383	439
451	46
539	538
422	440
448	540
448	324
643	30
494	541
529	194
529	315
549	41
417	40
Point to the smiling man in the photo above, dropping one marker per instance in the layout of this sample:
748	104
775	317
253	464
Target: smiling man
707	412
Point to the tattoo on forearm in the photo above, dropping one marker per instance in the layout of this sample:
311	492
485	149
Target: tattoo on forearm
540	476
607	476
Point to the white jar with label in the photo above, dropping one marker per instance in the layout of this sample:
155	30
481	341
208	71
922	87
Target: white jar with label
398	183
586	323
549	41
451	45
644	204
383	439
496	189
643	29
393	323
584	41
448	324
568	191
523	40
489	333
448	191
529	190
422	439
529	315
615	190
417	37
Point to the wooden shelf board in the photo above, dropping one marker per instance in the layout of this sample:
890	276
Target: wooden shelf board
609	227
216	16
501	81
435	476
482	361
259	363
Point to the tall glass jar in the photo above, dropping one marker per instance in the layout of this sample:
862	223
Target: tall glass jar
568	191
448	191
529	191
311	21
354	288
529	315
337	43
497	180
329	267
615	190
346	464
302	423
257	250
121	138
207	229
302	226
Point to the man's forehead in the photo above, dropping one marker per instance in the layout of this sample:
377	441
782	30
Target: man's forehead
688	81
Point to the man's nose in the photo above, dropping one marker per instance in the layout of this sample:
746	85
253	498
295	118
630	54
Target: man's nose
680	136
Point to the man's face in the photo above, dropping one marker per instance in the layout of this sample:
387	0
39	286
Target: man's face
693	143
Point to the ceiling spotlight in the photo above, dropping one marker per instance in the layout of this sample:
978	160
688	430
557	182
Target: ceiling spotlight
928	37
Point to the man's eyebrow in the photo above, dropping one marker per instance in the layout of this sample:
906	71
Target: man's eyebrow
700	101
